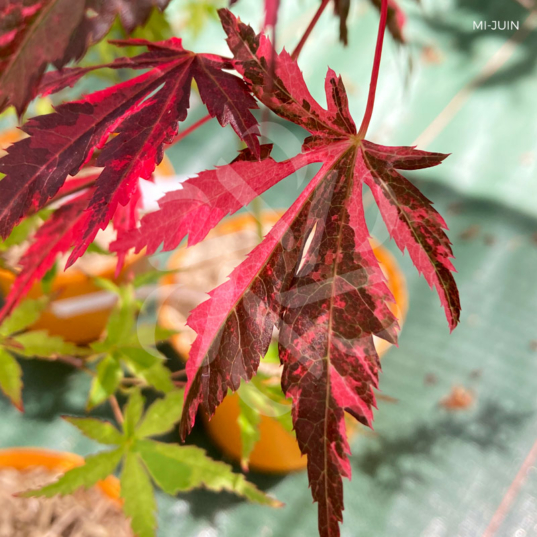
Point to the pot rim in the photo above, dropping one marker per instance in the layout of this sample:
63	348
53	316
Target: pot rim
22	458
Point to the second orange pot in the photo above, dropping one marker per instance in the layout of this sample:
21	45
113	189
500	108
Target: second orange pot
22	458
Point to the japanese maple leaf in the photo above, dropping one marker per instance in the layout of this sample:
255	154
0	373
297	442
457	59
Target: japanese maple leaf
327	295
142	113
36	33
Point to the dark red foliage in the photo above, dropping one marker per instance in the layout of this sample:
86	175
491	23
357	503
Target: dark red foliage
141	119
328	300
314	277
336	298
396	19
36	33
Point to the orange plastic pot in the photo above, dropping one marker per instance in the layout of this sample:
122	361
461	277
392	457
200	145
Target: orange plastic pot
70	287
277	450
55	461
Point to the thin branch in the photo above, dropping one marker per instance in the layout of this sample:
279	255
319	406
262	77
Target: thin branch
75	185
77	363
192	128
115	408
375	73
309	29
179	374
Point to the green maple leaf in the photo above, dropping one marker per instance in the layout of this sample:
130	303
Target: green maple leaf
11	378
16	339
40	344
127	348
146	462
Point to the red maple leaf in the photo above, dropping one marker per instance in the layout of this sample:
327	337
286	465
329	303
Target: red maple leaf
142	113
61	231
396	16
335	303
327	296
36	33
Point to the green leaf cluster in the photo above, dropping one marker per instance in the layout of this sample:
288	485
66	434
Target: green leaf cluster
127	348
146	462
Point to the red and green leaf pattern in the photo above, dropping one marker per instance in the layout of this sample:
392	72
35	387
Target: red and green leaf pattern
235	326
335	304
337	299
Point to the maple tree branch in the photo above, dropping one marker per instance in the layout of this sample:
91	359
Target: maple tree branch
192	128
309	29
91	182
375	73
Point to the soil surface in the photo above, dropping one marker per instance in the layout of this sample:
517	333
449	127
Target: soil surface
87	513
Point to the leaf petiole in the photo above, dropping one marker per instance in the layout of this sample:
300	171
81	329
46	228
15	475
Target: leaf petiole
309	29
375	73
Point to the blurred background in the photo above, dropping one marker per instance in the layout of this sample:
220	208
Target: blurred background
454	453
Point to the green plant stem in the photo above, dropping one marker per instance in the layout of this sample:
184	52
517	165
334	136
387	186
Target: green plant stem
375	73
257	210
309	29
